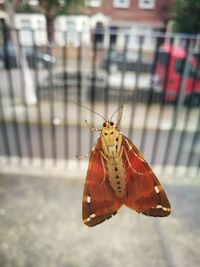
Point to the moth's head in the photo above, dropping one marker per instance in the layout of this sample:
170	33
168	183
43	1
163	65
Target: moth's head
108	124
108	132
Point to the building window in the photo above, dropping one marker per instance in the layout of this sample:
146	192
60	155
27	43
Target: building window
93	3
40	24
25	23
71	31
147	4
71	26
121	3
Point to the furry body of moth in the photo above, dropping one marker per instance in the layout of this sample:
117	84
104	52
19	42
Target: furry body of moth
119	175
113	160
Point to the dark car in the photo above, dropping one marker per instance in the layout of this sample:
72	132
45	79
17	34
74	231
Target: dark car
71	79
129	62
34	57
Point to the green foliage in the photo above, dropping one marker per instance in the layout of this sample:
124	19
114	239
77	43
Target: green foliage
186	16
25	8
54	7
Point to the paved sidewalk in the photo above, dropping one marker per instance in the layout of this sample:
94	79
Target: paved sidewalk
40	225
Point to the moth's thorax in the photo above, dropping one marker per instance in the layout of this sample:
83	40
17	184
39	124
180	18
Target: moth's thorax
110	143
112	150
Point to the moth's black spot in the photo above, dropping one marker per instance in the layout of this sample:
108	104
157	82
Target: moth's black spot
111	123
111	133
119	187
118	182
116	169
104	124
116	147
117	139
119	191
106	134
117	176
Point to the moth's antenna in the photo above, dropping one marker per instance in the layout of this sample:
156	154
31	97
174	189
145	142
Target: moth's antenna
120	114
120	109
86	108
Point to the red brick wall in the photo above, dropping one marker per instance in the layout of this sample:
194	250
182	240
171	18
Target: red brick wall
161	12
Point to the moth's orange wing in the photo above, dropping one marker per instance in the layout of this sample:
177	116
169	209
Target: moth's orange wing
145	193
99	202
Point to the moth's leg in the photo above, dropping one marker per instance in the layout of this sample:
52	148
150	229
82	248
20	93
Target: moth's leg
86	155
140	173
121	153
105	148
103	165
82	156
104	156
92	128
119	146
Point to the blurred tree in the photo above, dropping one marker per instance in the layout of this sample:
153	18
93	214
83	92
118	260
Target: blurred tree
52	8
186	16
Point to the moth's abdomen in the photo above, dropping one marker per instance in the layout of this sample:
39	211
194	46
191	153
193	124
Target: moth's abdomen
117	178
112	152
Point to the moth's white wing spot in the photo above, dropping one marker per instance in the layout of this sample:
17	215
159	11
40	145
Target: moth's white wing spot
93	215
158	188
166	209
163	208
87	220
87	199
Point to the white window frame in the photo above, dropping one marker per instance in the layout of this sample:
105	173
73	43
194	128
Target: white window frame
144	5
93	3
26	23
119	4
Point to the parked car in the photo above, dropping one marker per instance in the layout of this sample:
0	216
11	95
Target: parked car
70	79
169	73
117	61
34	57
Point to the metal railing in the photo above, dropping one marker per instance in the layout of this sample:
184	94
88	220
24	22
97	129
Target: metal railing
157	76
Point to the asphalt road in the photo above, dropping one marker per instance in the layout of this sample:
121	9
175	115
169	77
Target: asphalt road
60	143
41	225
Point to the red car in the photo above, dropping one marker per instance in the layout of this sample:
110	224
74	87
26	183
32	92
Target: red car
171	62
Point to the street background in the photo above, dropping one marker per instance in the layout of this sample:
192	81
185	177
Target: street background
57	60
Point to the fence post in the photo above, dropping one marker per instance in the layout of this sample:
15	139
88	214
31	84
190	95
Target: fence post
5	31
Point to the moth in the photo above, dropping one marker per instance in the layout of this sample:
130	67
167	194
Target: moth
119	175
